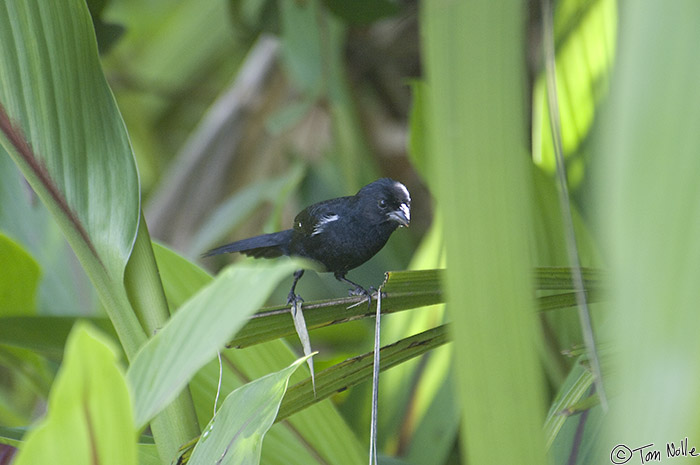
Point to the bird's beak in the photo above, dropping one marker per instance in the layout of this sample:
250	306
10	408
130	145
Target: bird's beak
402	215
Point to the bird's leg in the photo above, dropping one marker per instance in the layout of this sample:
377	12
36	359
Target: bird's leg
292	297
358	290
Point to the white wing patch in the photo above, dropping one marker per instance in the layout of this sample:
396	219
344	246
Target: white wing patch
324	220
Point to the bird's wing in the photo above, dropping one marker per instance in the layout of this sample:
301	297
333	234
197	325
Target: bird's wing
313	220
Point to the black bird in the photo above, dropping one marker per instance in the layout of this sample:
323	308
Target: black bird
338	234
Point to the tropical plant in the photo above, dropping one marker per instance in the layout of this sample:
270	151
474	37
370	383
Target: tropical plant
109	340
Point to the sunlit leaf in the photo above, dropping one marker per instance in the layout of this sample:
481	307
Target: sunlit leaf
89	413
585	34
317	435
55	94
61	126
235	434
649	202
474	74
194	334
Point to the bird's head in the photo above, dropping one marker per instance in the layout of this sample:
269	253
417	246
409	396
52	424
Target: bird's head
387	200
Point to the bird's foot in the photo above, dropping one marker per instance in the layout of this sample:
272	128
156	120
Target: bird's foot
294	299
361	291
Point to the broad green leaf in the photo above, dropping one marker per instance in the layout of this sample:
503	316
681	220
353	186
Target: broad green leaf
474	73
19	278
61	126
182	279
196	331
317	435
418	382
54	92
649	198
89	413
235	434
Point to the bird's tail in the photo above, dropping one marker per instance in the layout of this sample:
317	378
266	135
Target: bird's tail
264	246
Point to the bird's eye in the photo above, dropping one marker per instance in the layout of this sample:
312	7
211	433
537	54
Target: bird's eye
382	203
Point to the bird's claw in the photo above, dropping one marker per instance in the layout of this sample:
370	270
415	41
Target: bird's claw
293	299
360	291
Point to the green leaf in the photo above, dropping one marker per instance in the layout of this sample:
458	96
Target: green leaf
358	369
61	126
57	99
403	290
317	435
585	35
435	435
11	436
182	279
576	386
418	148
46	335
235	434
649	201
194	334
89	416
148	455
28	222
19	279
474	73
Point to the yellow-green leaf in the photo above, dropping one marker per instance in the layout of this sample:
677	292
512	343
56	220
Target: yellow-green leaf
19	278
89	413
197	330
